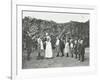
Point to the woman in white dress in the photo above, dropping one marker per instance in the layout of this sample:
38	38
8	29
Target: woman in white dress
66	50
48	50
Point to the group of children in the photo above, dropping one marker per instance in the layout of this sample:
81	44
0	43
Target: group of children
71	48
68	47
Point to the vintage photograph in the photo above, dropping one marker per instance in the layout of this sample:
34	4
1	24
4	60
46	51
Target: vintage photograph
55	39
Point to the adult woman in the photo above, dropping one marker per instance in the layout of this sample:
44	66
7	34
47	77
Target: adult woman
48	50
66	50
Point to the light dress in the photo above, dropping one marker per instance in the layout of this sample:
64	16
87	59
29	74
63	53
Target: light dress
48	50
66	50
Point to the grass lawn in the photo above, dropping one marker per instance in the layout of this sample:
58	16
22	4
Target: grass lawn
34	62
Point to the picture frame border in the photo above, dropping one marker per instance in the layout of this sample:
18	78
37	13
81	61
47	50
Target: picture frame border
13	74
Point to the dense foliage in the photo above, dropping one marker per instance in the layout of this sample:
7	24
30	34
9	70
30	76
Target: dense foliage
38	27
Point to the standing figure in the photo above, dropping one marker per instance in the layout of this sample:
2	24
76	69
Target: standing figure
66	49
28	45
62	46
48	50
44	42
75	48
81	50
40	46
58	46
71	48
78	48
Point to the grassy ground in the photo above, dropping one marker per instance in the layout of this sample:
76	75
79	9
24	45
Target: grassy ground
35	62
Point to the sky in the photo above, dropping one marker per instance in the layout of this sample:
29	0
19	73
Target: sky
57	17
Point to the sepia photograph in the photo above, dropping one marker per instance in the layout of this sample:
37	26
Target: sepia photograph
55	39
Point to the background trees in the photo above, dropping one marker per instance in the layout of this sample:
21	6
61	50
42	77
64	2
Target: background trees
38	27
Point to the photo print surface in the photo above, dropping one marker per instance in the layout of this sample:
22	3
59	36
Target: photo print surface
55	39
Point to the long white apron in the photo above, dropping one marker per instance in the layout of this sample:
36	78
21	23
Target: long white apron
48	51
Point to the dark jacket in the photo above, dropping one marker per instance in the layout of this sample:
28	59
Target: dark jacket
62	45
28	42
